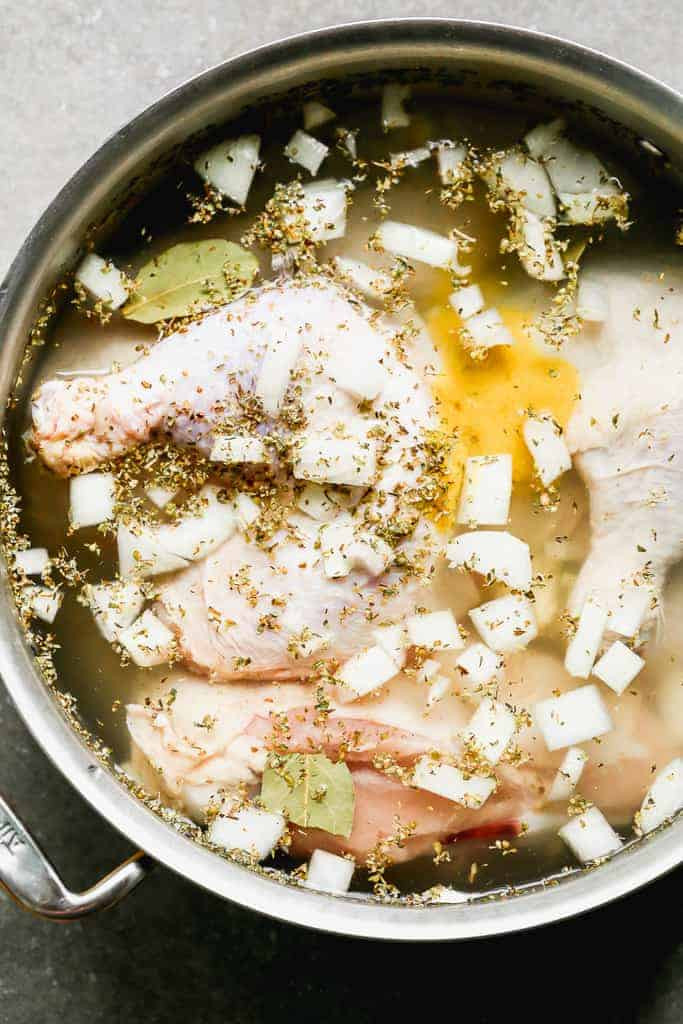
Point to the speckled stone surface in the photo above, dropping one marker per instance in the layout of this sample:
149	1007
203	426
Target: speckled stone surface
70	74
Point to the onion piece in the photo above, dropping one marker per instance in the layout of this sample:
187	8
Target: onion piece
590	207
275	374
506	623
394	641
592	301
486	491
238	449
394	115
525	179
547	447
246	511
409	157
324	208
568	774
32	561
335	460
449	782
627	613
543	136
314	501
435	631
467	301
248	829
663	799
590	836
316	113
539	252
329	872
618	666
429	669
230	166
495	555
486	330
92	499
44	602
450	161
572	718
160	496
115	606
584	645
480	664
105	282
491	729
148	641
370	554
374	284
420	245
439	687
142	553
336	539
307	151
366	671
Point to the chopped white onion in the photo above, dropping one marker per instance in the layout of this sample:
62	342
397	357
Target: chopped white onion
316	113
590	836
336	538
393	640
663	799
315	502
435	631
115	606
618	666
160	496
91	499
627	613
547	447
246	511
324	209
279	360
429	669
307	151
370	554
573	717
487	330
44	602
480	664
506	624
527	179
237	449
490	729
230	166
592	301
370	282
249	829
148	641
467	301
494	554
409	157
486	491
367	671
543	136
32	561
449	782
450	161
568	774
420	245
439	687
142	553
105	282
329	872
539	252
589	207
335	460
584	645
394	114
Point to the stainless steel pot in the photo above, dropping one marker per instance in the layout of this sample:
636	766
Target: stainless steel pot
563	72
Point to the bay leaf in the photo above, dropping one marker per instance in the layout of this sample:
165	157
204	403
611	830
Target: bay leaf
189	278
311	791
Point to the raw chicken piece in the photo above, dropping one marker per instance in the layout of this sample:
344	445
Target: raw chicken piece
627	432
230	728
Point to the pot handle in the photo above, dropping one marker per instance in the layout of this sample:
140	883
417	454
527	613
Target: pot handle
29	877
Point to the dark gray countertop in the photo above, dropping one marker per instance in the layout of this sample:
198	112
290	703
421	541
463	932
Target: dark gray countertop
72	73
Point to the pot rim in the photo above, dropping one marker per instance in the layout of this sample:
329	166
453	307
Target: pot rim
654	105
